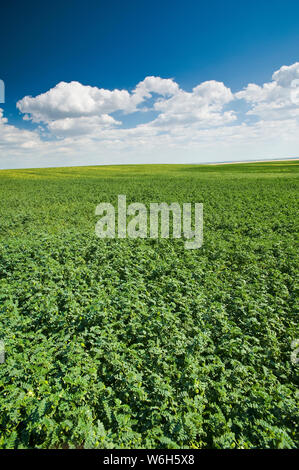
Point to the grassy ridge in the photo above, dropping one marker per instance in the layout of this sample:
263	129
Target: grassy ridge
141	343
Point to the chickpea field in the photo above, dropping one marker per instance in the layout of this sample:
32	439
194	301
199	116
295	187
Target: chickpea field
122	343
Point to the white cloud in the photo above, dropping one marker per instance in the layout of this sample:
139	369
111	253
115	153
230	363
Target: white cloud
150	85
70	100
286	74
203	105
76	124
12	138
84	125
276	99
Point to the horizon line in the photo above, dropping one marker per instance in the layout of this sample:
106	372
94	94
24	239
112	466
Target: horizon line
230	162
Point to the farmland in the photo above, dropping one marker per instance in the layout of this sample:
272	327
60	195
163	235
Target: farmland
141	343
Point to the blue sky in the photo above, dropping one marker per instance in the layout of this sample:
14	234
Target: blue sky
116	45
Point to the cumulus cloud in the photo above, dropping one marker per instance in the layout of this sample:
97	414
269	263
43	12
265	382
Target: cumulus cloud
203	105
12	138
77	123
277	99
71	100
150	85
84	125
286	74
72	106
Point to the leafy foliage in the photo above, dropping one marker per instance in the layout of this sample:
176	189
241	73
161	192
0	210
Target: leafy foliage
141	343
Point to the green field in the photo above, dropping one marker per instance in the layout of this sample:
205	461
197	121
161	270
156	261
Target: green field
142	343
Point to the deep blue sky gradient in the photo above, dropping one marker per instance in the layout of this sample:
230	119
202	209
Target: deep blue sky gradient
116	43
